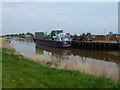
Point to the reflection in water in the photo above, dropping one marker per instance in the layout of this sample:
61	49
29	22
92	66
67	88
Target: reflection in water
113	56
53	50
56	54
80	61
98	63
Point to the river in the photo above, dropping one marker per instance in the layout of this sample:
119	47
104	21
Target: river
98	63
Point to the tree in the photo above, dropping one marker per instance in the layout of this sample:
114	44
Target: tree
23	33
20	35
110	33
28	33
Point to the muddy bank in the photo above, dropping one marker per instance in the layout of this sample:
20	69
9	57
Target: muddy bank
114	53
4	43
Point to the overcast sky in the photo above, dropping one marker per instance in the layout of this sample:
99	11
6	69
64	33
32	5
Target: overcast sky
72	17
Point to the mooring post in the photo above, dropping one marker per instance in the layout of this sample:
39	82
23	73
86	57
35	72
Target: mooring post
91	46
109	46
104	46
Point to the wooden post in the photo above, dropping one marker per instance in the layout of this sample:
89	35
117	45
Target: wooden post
104	47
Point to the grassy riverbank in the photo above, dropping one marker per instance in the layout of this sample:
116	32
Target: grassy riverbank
20	72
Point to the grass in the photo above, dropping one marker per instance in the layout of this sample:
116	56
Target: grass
0	68
19	72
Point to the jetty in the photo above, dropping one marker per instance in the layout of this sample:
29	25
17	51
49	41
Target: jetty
96	45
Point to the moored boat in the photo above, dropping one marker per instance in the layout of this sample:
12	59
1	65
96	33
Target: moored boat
56	39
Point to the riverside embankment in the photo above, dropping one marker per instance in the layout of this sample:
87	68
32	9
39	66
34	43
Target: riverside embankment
20	72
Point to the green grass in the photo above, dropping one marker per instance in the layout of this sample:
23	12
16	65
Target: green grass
0	68
19	72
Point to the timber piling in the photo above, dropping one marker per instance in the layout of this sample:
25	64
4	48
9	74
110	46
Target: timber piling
97	45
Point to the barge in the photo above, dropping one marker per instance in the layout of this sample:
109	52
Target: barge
56	39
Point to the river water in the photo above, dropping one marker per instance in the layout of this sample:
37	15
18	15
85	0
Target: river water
99	63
